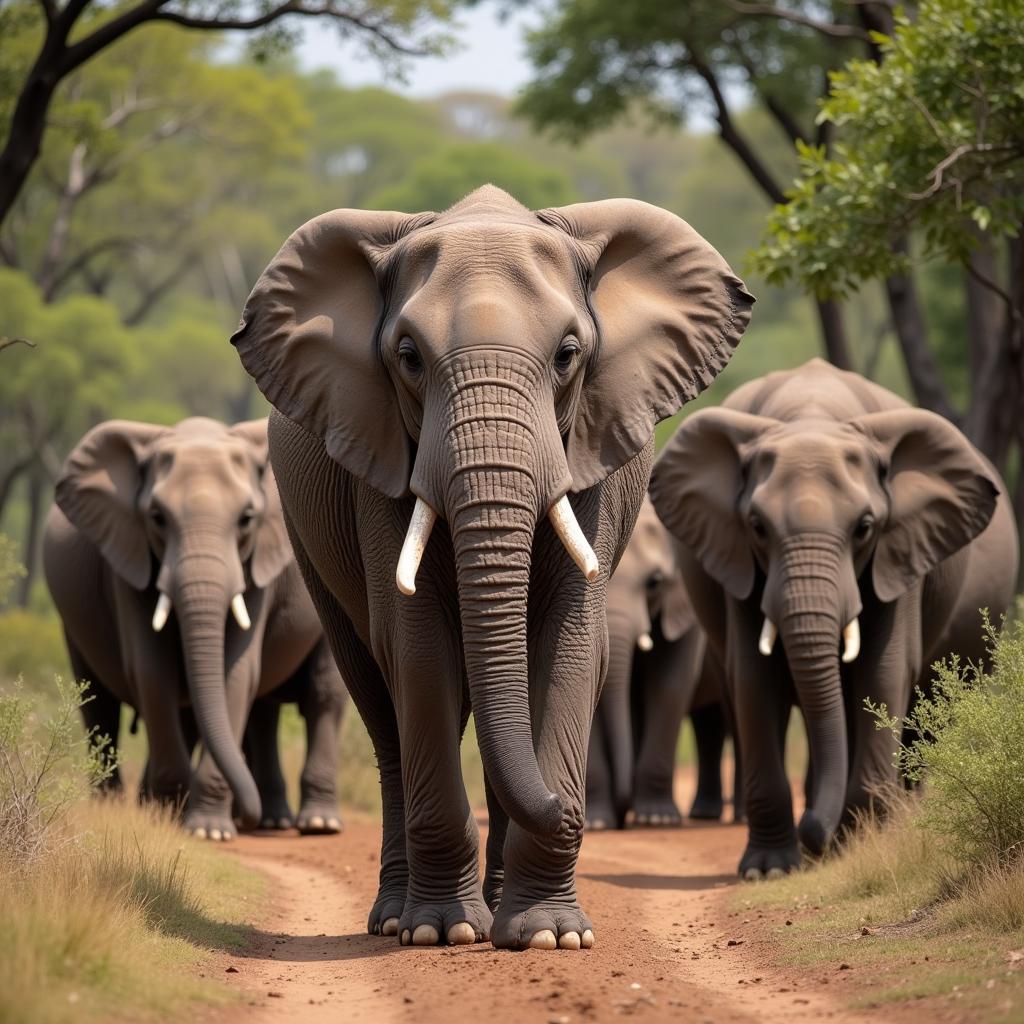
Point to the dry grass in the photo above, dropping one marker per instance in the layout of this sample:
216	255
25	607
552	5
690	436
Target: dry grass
113	916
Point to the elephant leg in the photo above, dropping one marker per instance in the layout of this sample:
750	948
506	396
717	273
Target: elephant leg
600	800
671	681
263	754
208	813
101	713
445	900
497	831
709	728
763	700
322	704
539	906
167	767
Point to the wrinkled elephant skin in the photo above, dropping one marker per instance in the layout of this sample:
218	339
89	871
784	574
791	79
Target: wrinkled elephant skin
168	559
836	543
492	376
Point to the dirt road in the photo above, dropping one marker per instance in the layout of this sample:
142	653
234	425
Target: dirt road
670	944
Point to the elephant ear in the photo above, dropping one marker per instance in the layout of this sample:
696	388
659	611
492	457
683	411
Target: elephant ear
677	614
669	315
98	491
941	495
308	337
272	550
695	487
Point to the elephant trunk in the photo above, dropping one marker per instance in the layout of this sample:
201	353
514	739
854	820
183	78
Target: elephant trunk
810	618
201	604
502	466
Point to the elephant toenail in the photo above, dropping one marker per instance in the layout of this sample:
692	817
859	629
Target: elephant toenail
774	873
316	821
461	934
283	823
199	833
425	935
390	927
215	834
587	939
570	940
544	939
753	875
406	937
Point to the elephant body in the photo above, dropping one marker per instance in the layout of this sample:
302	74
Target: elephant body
835	543
192	512
454	431
657	674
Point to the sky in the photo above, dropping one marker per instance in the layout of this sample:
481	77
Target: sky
488	56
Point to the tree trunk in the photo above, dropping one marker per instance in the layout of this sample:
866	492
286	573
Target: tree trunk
30	547
833	333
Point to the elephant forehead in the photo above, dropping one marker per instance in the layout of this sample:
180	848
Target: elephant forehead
183	469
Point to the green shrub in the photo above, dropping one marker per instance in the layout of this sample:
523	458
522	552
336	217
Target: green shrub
969	753
10	568
32	647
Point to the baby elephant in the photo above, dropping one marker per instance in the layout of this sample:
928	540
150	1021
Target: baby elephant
837	542
656	674
168	560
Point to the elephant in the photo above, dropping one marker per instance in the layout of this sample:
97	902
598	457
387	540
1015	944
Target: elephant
464	408
836	541
168	560
656	675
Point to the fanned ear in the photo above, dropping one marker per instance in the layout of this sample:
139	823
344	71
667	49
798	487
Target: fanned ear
98	491
695	487
669	315
941	495
677	614
308	337
272	550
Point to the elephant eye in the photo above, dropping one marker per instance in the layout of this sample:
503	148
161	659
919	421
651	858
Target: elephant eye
863	528
655	580
757	525
246	518
566	355
157	518
409	357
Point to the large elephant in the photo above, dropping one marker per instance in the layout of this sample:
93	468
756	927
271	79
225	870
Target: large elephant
168	559
656	675
444	383
836	542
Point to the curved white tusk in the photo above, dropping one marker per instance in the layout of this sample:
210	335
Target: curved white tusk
644	642
851	640
563	519
766	642
240	612
422	522
161	612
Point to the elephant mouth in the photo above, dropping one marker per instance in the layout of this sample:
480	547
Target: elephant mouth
851	639
562	518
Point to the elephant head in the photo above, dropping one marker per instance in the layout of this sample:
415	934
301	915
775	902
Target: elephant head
820	510
490	360
195	509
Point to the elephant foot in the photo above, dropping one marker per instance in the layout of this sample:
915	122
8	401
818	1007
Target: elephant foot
760	862
600	817
215	825
458	923
543	926
319	819
277	815
656	812
494	885
386	911
707	808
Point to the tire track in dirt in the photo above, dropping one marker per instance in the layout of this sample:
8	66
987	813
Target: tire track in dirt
663	921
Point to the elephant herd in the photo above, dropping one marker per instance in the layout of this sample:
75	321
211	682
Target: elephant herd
460	447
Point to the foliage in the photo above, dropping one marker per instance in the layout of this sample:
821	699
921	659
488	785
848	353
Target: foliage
967	746
44	768
10	569
31	646
933	137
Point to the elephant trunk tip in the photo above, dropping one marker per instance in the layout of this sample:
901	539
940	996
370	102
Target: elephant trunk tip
549	815
814	834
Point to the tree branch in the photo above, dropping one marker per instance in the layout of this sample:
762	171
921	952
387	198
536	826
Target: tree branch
938	172
825	28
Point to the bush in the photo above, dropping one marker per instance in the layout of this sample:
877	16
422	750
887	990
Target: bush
44	767
10	568
969	752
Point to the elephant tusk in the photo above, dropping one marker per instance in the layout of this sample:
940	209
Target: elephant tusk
766	641
644	642
563	519
851	641
240	612
161	612
422	522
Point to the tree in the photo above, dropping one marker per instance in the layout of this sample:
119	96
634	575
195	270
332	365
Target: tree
71	34
932	142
